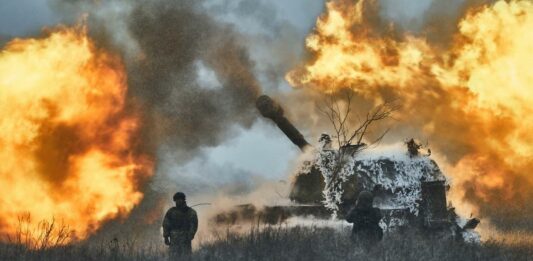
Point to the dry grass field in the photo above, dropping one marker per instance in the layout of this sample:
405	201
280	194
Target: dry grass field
275	243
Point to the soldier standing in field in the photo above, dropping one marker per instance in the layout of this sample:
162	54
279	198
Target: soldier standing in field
365	218
179	227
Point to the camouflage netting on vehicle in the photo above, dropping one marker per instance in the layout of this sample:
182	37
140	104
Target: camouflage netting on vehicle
391	173
393	170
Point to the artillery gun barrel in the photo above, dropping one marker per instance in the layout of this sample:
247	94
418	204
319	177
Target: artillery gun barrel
272	110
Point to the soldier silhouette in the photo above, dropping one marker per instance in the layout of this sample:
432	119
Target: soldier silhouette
179	227
365	218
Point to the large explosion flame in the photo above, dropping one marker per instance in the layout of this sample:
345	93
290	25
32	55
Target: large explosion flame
472	97
66	138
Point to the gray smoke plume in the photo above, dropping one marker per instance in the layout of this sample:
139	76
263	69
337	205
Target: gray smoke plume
166	46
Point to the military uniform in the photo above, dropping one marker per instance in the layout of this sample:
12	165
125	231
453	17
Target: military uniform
365	219
180	225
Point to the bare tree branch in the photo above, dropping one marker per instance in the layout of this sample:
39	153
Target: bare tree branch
341	119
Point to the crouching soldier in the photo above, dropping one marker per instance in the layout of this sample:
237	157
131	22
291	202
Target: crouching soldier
179	227
365	218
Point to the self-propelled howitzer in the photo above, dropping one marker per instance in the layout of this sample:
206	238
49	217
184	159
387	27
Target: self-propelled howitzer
409	188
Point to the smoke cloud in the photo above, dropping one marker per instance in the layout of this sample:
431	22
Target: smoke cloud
167	48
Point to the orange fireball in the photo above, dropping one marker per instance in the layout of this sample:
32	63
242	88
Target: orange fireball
471	97
66	138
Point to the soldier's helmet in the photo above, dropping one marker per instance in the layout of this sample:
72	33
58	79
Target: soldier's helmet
365	199
178	195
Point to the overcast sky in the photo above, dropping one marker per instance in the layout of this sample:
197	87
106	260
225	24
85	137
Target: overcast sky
22	17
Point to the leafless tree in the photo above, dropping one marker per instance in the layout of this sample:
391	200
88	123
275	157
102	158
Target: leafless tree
340	119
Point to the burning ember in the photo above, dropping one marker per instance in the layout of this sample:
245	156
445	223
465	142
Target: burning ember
68	142
472	97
